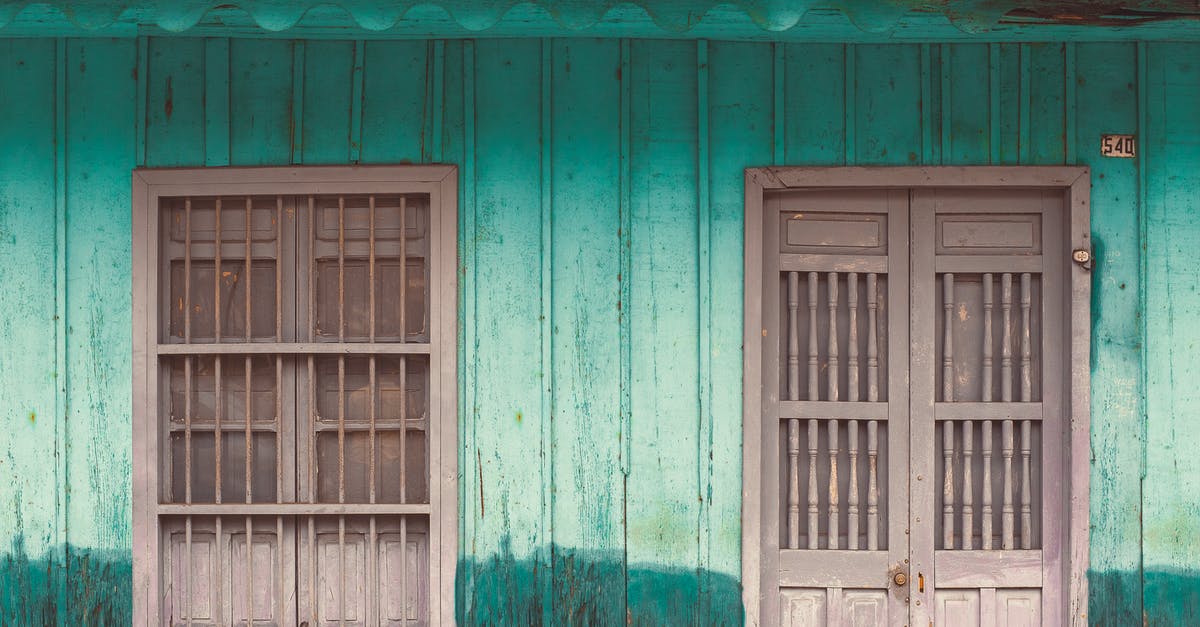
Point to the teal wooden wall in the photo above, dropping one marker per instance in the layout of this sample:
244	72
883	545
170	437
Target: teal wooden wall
601	282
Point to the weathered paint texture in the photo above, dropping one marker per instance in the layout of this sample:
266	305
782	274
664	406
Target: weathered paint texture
600	251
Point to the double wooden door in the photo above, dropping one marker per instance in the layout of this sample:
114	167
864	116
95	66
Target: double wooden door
912	406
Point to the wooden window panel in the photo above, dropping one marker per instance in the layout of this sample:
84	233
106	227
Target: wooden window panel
257	302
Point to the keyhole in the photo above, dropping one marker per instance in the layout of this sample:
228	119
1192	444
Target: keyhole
921	582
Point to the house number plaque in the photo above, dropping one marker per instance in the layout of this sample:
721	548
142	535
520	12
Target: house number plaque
1118	146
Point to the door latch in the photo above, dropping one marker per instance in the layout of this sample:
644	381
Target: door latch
900	579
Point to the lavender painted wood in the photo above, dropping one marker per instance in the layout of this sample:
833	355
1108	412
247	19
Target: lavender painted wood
959	582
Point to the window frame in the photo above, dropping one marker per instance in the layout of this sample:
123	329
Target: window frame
1074	182
149	185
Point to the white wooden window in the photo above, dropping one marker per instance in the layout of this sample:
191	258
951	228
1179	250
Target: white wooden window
294	396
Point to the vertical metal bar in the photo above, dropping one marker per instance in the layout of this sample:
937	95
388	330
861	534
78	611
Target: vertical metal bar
1026	426
341	432
249	433
1006	451
187	401
793	424
872	425
312	270
217	274
403	268
341	251
948	426
312	431
187	430
187	270
371	365
403	429
968	488
872	338
814	393
988	511
279	496
371	271
248	270
371	412
279	268
832	375
219	410
852	395
873	485
218	399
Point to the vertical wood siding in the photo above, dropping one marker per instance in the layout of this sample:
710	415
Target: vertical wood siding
600	253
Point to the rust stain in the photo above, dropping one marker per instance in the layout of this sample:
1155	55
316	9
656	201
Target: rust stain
32	417
518	417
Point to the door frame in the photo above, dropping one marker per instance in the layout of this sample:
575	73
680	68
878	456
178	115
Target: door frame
1074	181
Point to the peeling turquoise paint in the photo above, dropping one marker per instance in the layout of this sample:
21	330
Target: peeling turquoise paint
95	587
601	256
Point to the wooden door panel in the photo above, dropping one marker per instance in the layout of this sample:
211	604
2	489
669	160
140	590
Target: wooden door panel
986	398
912	395
989	607
805	607
835	443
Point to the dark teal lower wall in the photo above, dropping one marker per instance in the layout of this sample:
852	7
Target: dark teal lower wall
1155	597
69	586
591	588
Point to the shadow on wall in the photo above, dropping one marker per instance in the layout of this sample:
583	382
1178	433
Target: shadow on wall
590	588
96	587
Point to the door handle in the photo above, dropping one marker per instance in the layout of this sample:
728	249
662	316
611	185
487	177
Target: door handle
900	579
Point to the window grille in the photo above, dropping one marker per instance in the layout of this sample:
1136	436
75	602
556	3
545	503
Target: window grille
296	420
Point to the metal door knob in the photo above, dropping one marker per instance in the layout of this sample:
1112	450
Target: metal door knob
900	579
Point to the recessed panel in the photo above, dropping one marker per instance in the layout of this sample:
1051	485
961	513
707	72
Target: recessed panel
956	607
802	607
966	234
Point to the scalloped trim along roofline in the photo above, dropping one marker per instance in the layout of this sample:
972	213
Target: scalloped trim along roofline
672	16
